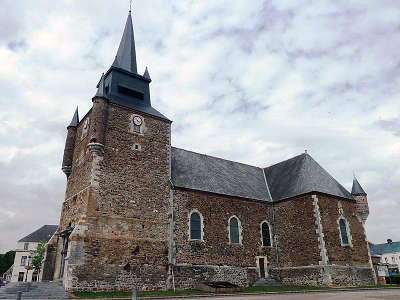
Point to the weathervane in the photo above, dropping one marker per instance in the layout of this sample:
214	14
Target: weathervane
130	5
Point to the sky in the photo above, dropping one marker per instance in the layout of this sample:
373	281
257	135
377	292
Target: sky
251	81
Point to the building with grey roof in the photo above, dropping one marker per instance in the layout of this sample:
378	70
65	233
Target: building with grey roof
140	212
23	252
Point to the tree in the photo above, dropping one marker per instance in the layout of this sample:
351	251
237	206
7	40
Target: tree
37	256
6	261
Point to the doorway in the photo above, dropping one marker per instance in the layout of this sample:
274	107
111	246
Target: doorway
261	263
262	266
21	276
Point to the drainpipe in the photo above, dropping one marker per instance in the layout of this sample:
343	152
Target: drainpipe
172	215
171	234
273	225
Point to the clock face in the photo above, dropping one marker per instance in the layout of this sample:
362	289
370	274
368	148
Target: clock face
137	121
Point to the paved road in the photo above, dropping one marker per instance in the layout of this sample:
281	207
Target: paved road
356	295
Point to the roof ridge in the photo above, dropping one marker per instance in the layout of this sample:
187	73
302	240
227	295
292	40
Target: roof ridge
217	157
283	161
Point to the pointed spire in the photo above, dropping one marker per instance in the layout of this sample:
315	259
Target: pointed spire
146	74
357	189
75	119
126	55
100	88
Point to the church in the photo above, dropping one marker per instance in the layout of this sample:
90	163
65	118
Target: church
139	212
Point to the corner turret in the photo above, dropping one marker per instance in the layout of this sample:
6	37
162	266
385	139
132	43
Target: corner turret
70	144
99	119
361	197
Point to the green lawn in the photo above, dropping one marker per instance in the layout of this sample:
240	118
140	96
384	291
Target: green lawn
92	295
254	289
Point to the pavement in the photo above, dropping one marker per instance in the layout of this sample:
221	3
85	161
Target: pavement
377	294
387	294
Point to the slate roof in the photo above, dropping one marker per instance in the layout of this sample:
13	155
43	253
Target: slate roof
126	55
44	233
293	177
75	119
357	189
379	249
100	88
211	174
300	175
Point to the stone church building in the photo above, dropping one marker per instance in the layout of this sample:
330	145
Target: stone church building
139	212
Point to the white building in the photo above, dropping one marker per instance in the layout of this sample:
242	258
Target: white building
389	253
22	262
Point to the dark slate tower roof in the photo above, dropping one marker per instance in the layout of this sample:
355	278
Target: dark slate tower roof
75	119
44	233
122	84
100	88
300	175
357	189
211	174
126	55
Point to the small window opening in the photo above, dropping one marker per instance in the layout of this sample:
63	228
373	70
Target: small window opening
266	236
343	232
129	92
195	226
136	128
234	230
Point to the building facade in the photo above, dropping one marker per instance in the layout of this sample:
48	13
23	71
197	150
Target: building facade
21	270
389	255
139	212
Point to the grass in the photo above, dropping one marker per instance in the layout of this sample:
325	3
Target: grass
92	295
254	289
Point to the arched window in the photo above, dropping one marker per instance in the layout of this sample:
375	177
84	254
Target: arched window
234	231
343	232
265	234
195	226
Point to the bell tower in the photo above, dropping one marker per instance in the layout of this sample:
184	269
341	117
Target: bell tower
116	209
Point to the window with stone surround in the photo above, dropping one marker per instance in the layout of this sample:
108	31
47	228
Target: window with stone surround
265	234
234	231
23	260
195	226
26	245
344	232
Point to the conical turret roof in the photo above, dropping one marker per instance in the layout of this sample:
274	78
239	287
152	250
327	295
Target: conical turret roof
357	189
126	55
100	88
75	119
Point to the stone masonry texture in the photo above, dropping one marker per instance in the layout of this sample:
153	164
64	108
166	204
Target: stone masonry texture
131	227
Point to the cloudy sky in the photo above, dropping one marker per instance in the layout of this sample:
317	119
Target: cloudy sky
251	81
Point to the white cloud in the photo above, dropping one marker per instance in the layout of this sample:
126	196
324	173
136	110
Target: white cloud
253	83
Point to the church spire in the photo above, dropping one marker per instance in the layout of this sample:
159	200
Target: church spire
126	55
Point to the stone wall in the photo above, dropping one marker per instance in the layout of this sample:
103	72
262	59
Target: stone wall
356	254
214	253
191	276
296	233
121	240
310	248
